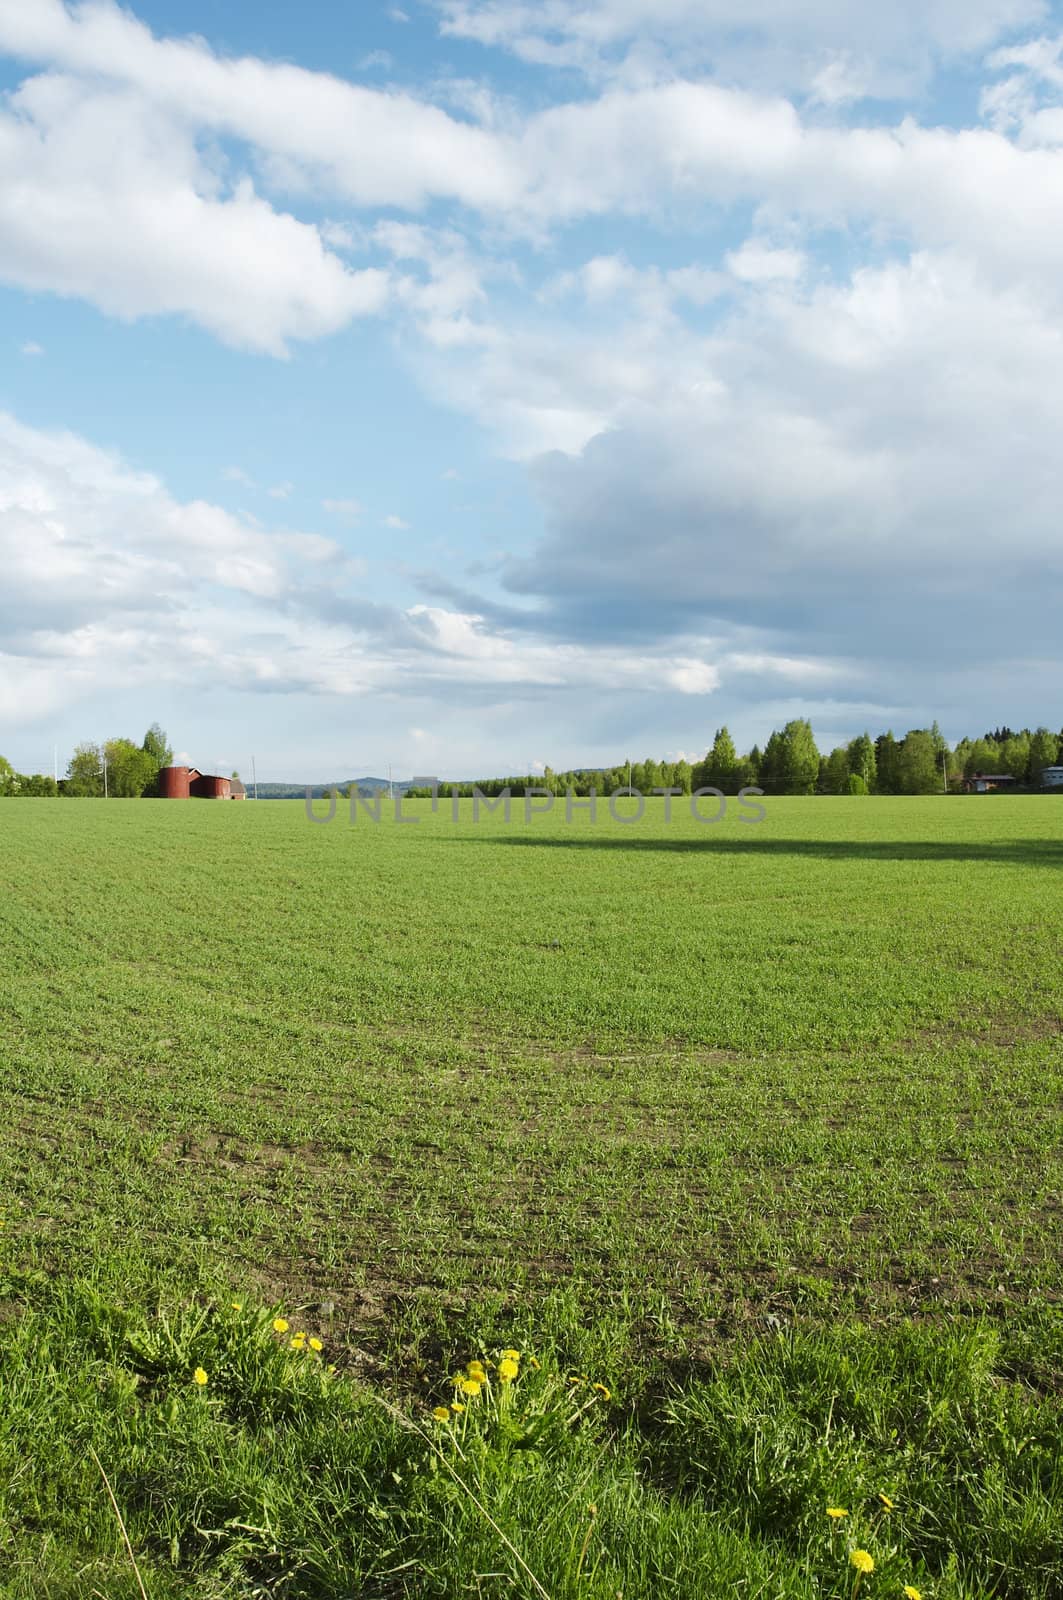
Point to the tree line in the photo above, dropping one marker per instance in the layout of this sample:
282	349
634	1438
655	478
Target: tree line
117	767
921	762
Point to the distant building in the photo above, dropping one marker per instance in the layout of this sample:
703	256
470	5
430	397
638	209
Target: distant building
1052	778
985	782
237	790
188	783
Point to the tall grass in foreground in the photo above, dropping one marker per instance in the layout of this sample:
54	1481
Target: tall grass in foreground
804	1464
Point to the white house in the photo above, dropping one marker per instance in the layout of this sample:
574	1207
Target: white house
1052	778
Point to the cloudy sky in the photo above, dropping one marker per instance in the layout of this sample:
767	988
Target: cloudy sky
468	384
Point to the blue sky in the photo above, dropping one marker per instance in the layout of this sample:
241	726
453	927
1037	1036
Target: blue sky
474	384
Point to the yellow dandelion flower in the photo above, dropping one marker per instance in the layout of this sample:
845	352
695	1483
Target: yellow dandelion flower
886	1501
837	1512
441	1414
279	1325
199	1376
511	1355
533	1363
457	1407
862	1561
575	1380
471	1386
475	1369
298	1341
910	1592
315	1344
507	1369
237	1306
603	1391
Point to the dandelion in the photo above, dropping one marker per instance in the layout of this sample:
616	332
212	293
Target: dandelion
511	1355
280	1325
237	1306
862	1561
475	1369
533	1363
886	1501
199	1376
910	1592
441	1414
471	1386
837	1513
603	1391
315	1345
575	1379
507	1369
298	1341
457	1407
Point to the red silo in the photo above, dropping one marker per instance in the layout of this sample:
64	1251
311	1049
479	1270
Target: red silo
174	783
206	786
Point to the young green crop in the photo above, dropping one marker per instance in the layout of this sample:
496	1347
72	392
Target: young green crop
629	1096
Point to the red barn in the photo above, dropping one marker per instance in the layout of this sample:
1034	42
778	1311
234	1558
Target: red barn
184	783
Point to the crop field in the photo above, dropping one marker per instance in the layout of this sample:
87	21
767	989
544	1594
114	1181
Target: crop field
756	1127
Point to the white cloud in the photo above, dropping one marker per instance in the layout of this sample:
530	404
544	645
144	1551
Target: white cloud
32	348
238	475
280	491
104	195
694	677
108	579
113	187
350	509
757	262
393	521
863	480
829	45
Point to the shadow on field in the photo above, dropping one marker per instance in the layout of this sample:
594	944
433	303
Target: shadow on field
1011	853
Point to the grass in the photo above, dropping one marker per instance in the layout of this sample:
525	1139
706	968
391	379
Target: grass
758	1125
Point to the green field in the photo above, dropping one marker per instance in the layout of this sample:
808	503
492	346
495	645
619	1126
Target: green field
757	1125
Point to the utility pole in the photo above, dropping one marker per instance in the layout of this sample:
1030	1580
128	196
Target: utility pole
391	786
944	771
254	777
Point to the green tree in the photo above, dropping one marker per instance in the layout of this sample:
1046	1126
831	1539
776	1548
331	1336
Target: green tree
721	763
855	784
887	780
1015	756
862	760
84	774
983	755
834	772
130	769
918	767
9	780
1044	752
682	774
773	764
802	757
155	745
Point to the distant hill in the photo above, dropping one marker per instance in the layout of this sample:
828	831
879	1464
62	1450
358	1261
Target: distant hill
318	791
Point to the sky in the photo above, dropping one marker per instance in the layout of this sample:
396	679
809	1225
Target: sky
470	385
